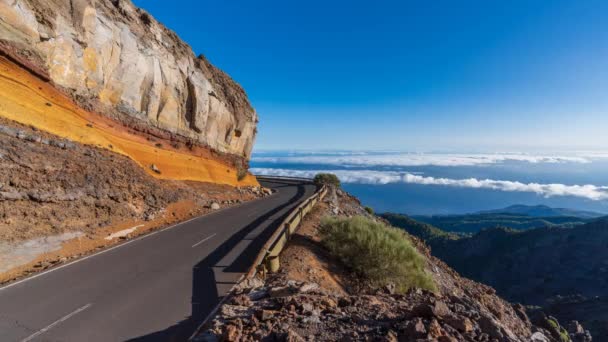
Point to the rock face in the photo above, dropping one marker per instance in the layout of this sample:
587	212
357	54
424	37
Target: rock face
116	59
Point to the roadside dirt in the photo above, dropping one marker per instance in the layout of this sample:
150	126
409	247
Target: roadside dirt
306	260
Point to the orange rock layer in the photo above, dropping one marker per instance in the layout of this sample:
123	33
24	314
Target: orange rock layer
26	99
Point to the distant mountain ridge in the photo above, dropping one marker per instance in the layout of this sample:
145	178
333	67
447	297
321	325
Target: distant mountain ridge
519	217
542	211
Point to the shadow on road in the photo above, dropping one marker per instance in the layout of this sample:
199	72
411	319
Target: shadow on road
204	283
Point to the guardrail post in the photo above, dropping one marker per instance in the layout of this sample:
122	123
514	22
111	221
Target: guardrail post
287	230
273	264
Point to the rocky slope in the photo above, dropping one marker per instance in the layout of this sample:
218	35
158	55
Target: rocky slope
562	269
115	59
314	297
51	186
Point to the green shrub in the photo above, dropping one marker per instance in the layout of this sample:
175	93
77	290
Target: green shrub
563	333
326	179
369	210
379	253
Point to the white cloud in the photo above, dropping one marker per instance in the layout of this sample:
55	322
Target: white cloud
416	159
588	191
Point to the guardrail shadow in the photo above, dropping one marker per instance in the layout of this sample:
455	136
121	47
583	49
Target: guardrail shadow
205	295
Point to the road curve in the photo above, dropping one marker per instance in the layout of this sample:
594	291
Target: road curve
157	288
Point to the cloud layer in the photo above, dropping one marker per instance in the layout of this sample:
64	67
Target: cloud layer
359	159
588	191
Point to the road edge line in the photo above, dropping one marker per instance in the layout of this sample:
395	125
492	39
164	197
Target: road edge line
141	237
62	319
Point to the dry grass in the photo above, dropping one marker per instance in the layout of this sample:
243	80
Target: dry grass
382	254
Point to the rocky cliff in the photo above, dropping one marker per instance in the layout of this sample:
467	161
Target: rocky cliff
316	297
115	59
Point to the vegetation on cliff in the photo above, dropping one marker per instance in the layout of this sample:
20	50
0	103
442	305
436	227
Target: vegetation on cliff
327	179
381	254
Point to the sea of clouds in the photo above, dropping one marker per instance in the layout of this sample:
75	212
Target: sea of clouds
366	167
588	191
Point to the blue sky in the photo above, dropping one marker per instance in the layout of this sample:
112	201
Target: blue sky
410	75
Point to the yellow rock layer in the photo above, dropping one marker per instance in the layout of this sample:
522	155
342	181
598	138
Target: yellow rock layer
28	100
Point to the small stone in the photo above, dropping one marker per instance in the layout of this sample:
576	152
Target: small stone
293	336
280	291
232	333
462	324
215	206
307	287
440	309
233	311
417	328
264	315
154	168
391	336
575	328
314	319
253	283
434	329
242	300
307	308
490	327
329	303
149	216
538	337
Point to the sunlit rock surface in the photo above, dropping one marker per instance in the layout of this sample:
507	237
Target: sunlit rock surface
116	59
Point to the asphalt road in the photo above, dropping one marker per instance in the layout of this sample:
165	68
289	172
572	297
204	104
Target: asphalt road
156	288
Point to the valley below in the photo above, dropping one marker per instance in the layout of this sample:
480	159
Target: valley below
563	269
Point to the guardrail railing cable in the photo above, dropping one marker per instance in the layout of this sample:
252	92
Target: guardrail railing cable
279	238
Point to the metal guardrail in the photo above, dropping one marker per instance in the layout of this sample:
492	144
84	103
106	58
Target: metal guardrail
267	258
274	245
266	177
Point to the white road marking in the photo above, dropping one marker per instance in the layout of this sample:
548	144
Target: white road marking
203	240
50	326
96	254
